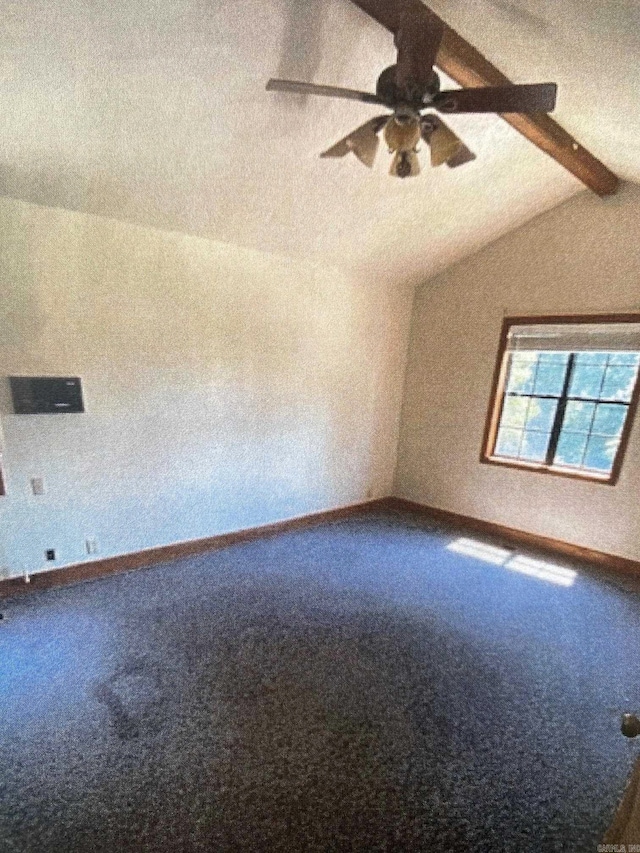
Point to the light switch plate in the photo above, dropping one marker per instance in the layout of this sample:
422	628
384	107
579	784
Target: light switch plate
37	485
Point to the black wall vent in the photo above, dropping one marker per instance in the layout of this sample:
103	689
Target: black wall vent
46	395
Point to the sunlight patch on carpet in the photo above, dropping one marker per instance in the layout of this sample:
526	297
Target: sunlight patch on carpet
540	569
480	551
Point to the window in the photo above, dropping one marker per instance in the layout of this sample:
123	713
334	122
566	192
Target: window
565	391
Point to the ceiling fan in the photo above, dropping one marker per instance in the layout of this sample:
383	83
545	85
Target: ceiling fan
411	87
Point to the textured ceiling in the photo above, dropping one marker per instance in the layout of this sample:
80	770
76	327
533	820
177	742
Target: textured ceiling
154	111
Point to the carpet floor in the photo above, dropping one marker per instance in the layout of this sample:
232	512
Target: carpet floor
374	684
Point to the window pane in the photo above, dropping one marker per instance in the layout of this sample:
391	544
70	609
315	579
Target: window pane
570	448
508	443
553	357
609	419
591	358
522	372
600	453
630	358
534	446
549	379
591	413
514	413
618	383
577	416
541	414
586	380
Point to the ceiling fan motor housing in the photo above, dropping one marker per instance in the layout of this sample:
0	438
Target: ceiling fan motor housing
388	90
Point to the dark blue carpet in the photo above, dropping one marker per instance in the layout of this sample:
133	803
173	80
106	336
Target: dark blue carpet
354	687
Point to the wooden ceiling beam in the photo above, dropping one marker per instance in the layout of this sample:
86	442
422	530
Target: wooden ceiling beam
461	61
469	68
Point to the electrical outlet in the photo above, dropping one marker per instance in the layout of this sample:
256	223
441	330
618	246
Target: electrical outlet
91	545
37	485
50	554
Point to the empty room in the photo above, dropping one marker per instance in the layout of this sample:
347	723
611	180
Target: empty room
319	441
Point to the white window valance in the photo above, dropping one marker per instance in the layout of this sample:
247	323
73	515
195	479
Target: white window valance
575	337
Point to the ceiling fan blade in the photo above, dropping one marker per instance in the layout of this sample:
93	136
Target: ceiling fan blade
363	142
417	40
533	98
300	88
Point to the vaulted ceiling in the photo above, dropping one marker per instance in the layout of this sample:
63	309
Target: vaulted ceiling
155	112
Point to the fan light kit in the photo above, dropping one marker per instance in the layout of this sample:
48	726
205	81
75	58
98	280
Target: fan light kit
411	90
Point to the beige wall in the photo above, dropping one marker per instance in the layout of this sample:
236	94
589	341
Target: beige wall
227	388
224	387
582	257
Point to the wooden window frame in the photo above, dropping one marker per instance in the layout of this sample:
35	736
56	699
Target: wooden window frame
496	401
